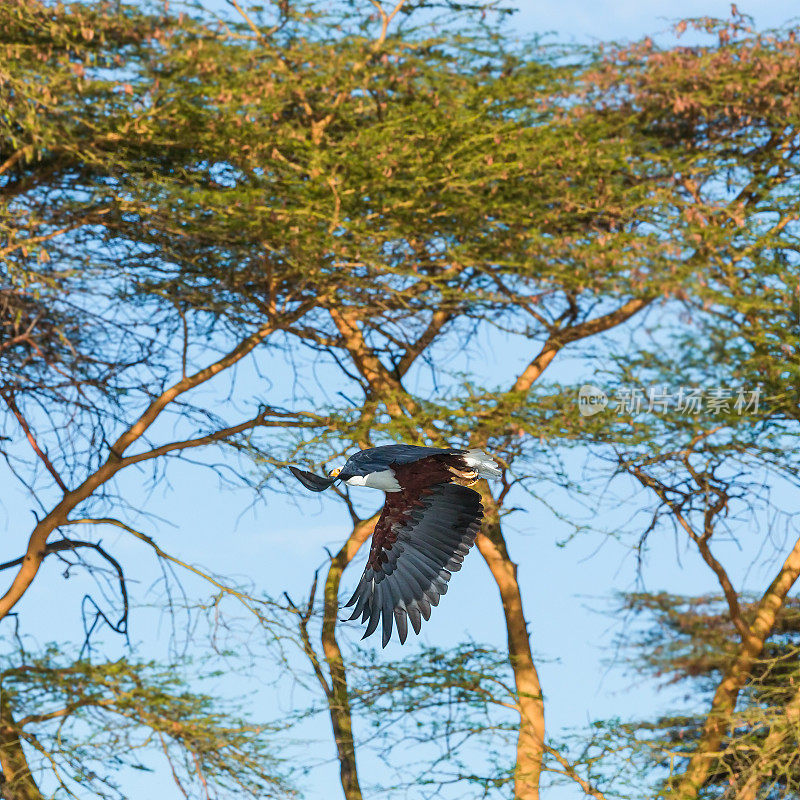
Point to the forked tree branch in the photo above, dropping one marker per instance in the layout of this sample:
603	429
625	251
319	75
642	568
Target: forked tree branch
701	540
569	770
438	320
58	515
155	408
559	339
386	19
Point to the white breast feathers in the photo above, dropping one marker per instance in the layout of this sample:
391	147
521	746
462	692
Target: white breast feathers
384	480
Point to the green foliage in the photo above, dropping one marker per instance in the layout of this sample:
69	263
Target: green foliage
84	722
691	638
312	172
171	183
460	702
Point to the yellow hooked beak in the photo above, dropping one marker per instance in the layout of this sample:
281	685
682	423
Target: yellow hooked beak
334	473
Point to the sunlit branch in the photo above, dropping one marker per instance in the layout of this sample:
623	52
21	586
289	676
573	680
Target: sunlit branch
386	18
185	384
556	341
438	320
306	419
246	17
570	771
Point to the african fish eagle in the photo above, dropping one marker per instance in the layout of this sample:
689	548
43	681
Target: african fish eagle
429	522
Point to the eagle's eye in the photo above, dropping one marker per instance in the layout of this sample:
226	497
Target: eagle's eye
334	473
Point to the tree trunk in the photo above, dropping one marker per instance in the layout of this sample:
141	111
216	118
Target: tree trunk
689	784
17	781
338	699
530	740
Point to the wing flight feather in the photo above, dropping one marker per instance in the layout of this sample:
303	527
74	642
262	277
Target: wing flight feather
421	538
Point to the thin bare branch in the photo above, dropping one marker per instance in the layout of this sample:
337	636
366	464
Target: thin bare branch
10	402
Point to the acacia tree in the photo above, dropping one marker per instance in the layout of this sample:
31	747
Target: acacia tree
691	641
705	489
744	320
91	183
382	265
49	701
402	259
379	202
724	250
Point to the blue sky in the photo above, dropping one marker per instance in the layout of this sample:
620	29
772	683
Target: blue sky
277	543
587	20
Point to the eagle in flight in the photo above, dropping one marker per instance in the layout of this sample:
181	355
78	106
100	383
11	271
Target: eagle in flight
429	522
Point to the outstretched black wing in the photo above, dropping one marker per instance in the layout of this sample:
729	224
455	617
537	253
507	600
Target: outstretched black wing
376	459
421	537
